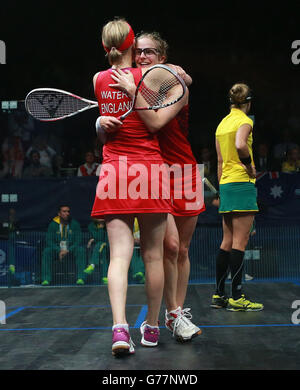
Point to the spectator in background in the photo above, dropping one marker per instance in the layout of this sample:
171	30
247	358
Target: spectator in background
292	162
13	157
210	167
263	159
46	152
98	149
11	227
13	223
99	240
89	168
58	162
22	125
280	150
63	239
35	168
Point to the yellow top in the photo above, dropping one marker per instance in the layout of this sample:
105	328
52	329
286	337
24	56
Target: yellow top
290	167
232	171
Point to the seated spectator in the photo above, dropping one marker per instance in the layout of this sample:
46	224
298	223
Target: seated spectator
89	168
263	159
63	240
12	157
57	165
98	150
280	150
10	227
22	125
99	240
35	168
46	152
292	163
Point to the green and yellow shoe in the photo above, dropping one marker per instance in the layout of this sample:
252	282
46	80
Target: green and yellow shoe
80	282
45	283
219	302
12	269
139	277
104	280
243	304
89	269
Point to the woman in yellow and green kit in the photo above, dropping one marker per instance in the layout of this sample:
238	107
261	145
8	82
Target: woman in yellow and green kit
236	175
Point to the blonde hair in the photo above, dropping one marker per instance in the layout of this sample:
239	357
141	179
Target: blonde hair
113	35
161	45
239	94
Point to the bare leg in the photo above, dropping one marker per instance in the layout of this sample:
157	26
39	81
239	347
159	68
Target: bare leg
241	225
152	232
171	249
119	230
186	227
226	244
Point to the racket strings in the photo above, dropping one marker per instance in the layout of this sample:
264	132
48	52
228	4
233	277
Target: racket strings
151	96
168	84
52	105
156	91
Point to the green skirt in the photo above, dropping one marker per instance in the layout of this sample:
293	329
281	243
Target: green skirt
238	197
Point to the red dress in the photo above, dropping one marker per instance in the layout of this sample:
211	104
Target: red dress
186	183
132	174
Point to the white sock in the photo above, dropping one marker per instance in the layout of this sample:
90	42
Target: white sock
125	326
151	326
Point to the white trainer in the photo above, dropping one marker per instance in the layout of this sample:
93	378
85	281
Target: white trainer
179	323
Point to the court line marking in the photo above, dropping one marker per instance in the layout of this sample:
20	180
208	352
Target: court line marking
12	313
66	306
141	317
161	327
139	321
247	325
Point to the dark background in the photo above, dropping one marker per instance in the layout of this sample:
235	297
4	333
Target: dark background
58	44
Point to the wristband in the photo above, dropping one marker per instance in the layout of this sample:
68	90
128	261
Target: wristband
100	132
98	126
246	160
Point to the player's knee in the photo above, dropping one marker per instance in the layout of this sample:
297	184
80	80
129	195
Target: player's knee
183	254
152	256
171	249
226	244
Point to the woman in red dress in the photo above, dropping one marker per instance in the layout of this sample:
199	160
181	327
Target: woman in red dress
127	188
186	191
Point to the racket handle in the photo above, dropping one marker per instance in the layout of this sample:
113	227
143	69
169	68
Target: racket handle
122	117
210	186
